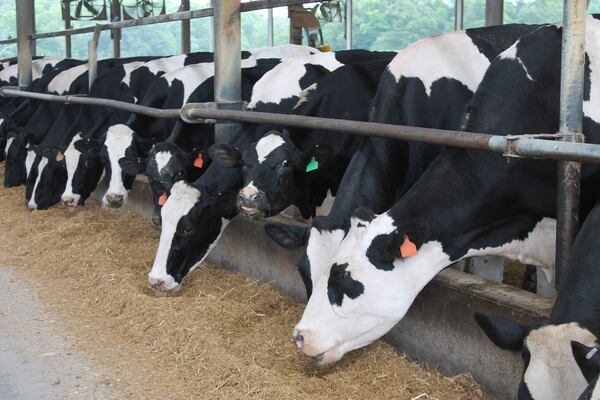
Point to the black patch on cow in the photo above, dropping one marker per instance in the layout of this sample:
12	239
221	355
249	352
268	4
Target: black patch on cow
383	250
493	39
340	283
363	214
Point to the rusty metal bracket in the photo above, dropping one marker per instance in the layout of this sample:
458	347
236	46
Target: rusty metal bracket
511	140
211	105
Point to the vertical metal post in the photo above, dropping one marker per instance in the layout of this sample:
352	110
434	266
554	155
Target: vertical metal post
68	48
211	31
93	56
228	76
494	12
348	24
116	33
185	29
571	115
459	10
25	45
270	39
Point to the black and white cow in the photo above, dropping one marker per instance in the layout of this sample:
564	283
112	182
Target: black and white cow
84	168
195	215
30	121
383	169
467	203
171	90
181	157
551	367
44	186
298	167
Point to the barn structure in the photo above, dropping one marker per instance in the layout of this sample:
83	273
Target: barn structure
446	338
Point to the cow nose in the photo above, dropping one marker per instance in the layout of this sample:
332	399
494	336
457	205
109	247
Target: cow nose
31	207
251	204
299	340
114	200
69	201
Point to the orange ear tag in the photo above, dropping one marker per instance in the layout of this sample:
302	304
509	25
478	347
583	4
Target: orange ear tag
199	162
163	199
408	248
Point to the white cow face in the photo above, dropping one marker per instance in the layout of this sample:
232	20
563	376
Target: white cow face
550	371
360	296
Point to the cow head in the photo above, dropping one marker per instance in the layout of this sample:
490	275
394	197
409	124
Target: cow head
269	168
121	147
192	221
46	181
84	170
19	158
320	241
168	164
550	368
367	287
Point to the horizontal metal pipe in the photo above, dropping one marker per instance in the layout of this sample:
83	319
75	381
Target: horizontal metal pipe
178	16
193	112
525	147
92	101
8	41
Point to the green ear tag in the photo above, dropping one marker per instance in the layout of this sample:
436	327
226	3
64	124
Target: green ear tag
312	165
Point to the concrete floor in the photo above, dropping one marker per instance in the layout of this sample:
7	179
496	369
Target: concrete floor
37	359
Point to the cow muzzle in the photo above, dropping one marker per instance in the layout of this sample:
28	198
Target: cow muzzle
305	341
113	200
70	201
165	285
252	204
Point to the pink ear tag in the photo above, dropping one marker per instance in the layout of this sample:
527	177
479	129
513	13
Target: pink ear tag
408	248
199	162
163	199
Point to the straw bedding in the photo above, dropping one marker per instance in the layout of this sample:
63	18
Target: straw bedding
225	337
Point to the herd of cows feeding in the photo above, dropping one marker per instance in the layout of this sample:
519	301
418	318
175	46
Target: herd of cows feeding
403	211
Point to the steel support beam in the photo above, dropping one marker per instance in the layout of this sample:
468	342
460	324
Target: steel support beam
228	76
571	117
348	24
93	56
68	44
25	46
494	12
459	11
116	32
185	29
270	38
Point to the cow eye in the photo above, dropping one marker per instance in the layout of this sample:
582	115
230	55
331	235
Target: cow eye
187	230
284	163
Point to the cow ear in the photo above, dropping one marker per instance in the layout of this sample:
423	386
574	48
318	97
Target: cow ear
315	156
506	334
287	236
226	154
89	147
588	359
132	165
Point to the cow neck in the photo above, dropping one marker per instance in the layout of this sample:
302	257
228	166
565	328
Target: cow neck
472	200
577	299
370	180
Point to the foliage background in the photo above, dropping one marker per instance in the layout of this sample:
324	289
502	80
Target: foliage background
377	25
